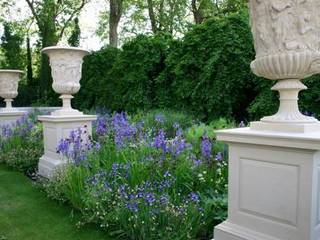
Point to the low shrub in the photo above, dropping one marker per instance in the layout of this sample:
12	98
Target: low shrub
21	144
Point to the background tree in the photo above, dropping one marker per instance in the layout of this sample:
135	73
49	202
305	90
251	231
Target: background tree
29	63
11	42
167	16
201	10
116	11
74	39
232	6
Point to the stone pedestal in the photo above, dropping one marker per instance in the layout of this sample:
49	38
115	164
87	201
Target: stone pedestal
9	118
56	128
274	186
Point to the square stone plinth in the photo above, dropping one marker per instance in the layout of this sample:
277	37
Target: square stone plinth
56	128
274	186
10	117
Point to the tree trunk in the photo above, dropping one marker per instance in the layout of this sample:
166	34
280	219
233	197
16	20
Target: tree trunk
198	14
29	64
152	17
116	9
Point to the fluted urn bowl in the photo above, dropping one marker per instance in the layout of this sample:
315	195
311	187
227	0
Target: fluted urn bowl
9	80
289	65
66	67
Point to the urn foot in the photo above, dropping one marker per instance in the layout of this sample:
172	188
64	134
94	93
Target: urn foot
288	118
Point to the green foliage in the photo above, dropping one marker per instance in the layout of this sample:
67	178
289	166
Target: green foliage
267	102
206	73
182	190
135	72
165	119
97	83
310	98
11	44
195	133
14	152
74	39
191	201
210	71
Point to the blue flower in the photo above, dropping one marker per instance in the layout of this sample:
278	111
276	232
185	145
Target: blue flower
160	141
164	199
101	126
149	198
194	197
132	206
77	146
123	130
159	118
219	156
206	147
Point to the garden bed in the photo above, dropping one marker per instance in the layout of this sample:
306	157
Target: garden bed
159	175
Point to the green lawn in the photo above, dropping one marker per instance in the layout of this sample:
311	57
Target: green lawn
27	214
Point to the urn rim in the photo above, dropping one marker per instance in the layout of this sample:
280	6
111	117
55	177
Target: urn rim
46	50
11	71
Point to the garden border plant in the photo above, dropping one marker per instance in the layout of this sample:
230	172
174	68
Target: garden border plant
144	177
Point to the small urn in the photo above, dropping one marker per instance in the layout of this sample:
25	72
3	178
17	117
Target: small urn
9	81
66	68
286	39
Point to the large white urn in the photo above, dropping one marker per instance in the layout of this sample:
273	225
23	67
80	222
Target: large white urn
9	80
66	67
274	166
286	39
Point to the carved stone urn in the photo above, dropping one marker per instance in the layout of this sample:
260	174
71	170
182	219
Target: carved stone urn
66	67
274	166
286	39
9	80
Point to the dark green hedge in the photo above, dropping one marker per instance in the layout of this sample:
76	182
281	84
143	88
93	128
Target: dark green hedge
207	73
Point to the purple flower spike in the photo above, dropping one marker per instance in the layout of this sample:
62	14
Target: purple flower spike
206	147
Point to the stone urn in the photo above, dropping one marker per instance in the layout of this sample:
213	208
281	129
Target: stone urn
9	81
66	67
286	39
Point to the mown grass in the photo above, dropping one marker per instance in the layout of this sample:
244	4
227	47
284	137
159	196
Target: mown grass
27	214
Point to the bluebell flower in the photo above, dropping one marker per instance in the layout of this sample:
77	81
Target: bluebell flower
206	147
219	156
132	206
194	197
123	130
150	198
159	118
77	147
160	141
164	199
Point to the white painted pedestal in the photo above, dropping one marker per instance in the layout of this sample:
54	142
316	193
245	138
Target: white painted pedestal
274	186
56	128
10	117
